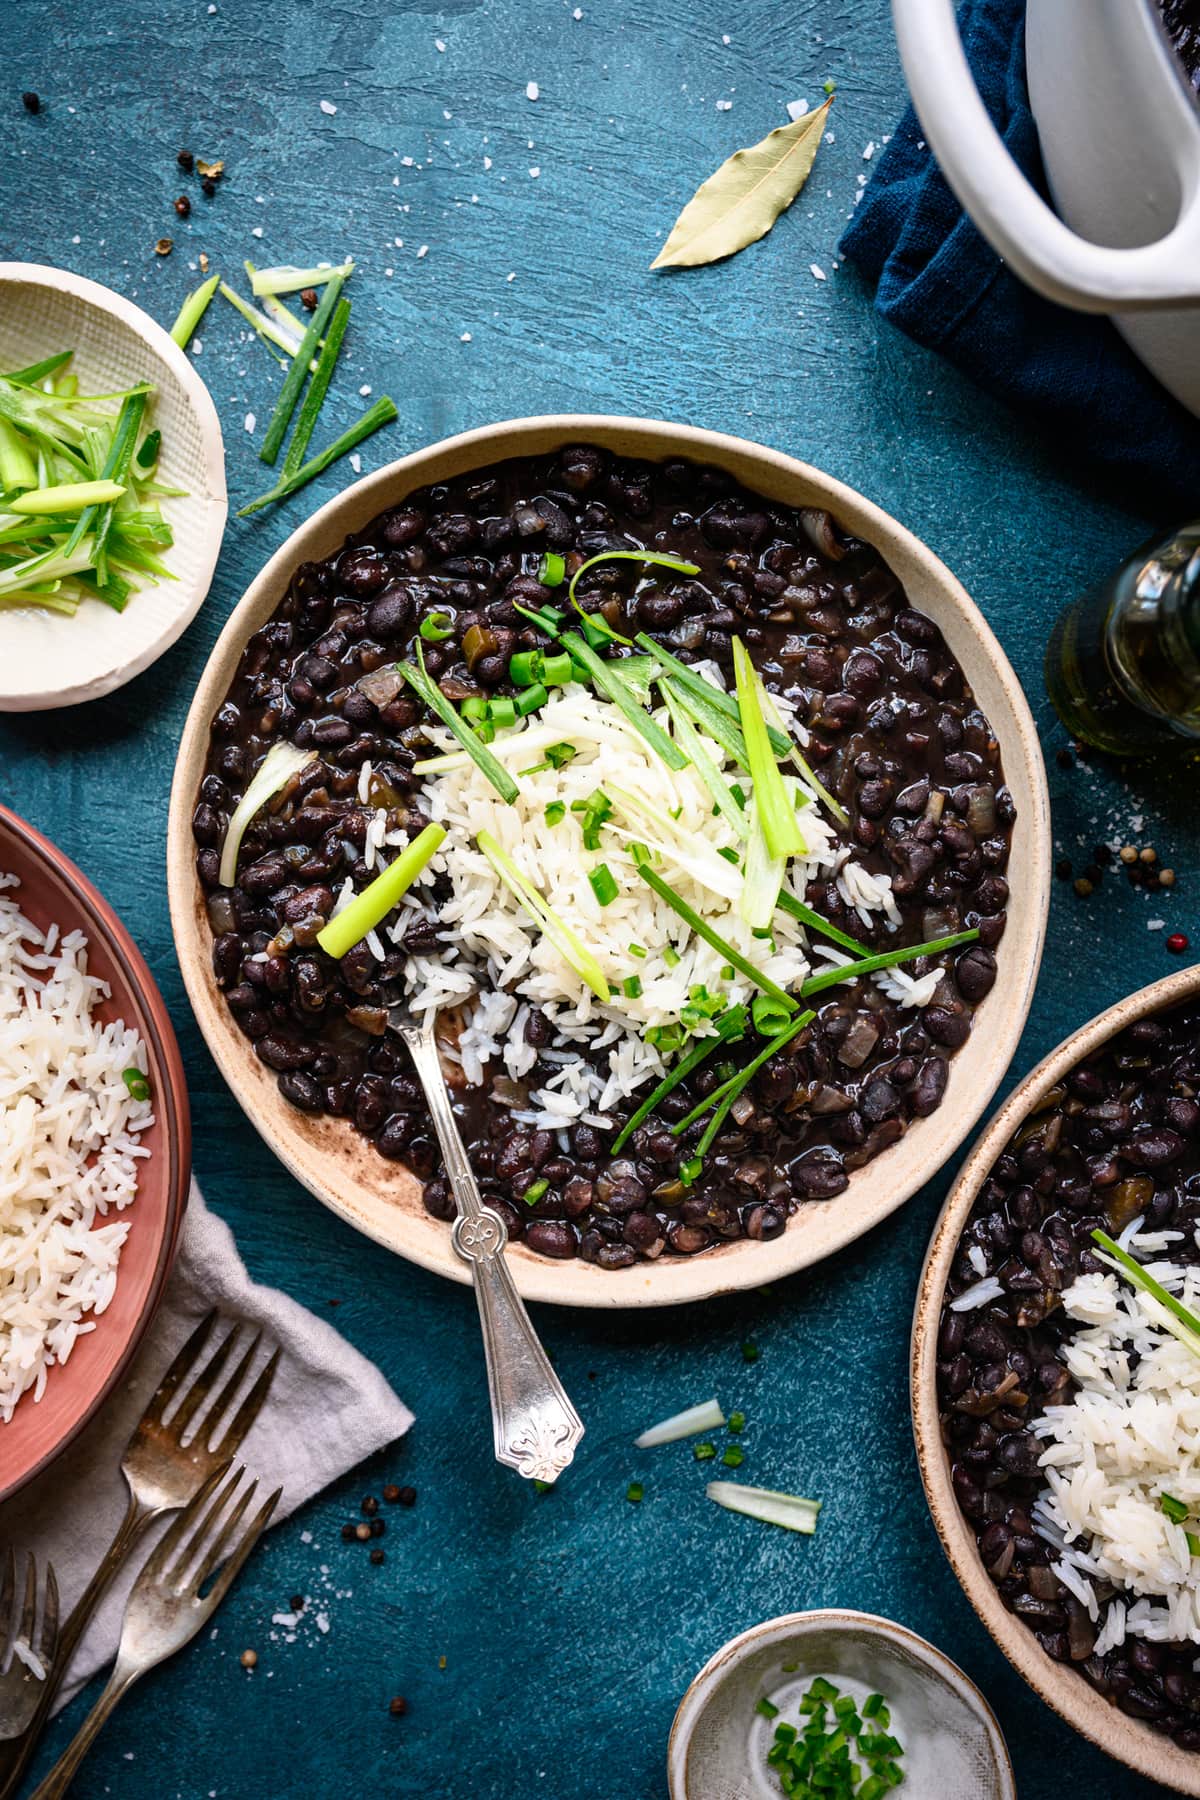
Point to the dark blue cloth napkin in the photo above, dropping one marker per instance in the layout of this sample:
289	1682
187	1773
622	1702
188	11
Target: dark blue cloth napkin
942	283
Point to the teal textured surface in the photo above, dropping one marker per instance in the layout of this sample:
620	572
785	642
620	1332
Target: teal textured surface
569	1623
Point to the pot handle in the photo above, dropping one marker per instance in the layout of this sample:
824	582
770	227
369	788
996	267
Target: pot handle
1009	211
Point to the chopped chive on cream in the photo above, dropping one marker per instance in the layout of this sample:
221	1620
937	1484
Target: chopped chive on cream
372	906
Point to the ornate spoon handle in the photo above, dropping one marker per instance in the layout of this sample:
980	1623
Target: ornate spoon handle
534	1425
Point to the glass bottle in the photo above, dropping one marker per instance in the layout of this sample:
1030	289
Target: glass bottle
1123	662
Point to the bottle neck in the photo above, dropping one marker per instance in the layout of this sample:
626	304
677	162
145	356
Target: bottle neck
1152	634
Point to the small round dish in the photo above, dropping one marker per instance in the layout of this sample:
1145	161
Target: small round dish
719	1743
53	890
382	1199
46	659
1062	1687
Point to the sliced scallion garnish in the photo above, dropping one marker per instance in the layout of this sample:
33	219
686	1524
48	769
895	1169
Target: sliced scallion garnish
544	915
193	310
888	959
727	1093
607	677
552	570
383	412
283	279
422	684
692	745
314	397
789	904
295	378
703	929
705	1417
277	768
436	627
767	1504
366	910
1176	1510
1178	1319
773	807
137	1082
603	884
654	557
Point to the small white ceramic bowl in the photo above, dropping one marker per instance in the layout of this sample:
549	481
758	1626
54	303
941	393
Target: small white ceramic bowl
49	660
719	1743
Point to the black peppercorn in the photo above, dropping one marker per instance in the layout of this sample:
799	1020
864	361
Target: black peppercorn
1062	869
391	1493
377	1556
377	1527
398	1706
208	187
183	206
407	1496
1064	759
31	102
186	161
370	1505
297	1602
348	1532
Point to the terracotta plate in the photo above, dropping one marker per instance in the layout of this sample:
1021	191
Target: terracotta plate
53	890
345	1171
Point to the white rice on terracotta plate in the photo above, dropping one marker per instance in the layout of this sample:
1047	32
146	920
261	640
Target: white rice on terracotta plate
69	1148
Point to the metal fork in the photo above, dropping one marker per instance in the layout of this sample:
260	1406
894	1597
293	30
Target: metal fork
165	1608
20	1688
162	1473
535	1429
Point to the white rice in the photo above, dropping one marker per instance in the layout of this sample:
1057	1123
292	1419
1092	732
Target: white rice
497	964
1128	1436
69	1148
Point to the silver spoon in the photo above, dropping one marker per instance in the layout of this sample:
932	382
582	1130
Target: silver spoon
534	1426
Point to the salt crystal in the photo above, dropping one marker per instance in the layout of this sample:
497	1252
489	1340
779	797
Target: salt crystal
439	46
364	390
306	1537
796	109
251	421
818	273
725	37
322	1622
256	231
423	251
535	172
406	162
578	13
327	106
531	90
356	462
1156	924
869	152
511	277
487	162
724	105
464	337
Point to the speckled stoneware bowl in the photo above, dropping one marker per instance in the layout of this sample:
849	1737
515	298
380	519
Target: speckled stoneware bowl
345	1171
54	891
46	659
953	1746
1061	1687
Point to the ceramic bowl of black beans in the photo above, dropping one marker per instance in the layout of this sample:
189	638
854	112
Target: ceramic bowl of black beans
1103	1137
928	760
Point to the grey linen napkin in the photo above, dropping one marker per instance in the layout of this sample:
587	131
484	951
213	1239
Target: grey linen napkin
328	1409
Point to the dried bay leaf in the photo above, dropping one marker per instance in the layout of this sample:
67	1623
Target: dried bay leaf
739	203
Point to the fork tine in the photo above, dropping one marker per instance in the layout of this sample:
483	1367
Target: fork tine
50	1616
169	1542
222	1539
182	1365
250	1537
233	1433
202	1386
29	1607
8	1580
202	1526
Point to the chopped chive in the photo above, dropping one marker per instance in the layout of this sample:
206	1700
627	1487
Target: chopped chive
548	618
637	949
318	387
501	711
733	1457
295	378
137	1083
284	280
767	1710
524	669
750	1351
704	1452
418	679
146	460
730	1026
603	884
1179	1319
593	811
867	965
729	1090
606	677
635	1492
68	497
436	627
383	412
703	929
768	1017
689	1172
559	755
631	987
530	699
644	556
372	906
552	570
672	958
737	1422
192	311
1175	1510
556	812
533	1193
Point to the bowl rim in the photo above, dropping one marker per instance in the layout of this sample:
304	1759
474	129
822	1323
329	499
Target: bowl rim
173	1108
1130	1741
215	495
561	1283
839	1618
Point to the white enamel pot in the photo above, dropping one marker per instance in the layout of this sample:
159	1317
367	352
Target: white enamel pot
1120	138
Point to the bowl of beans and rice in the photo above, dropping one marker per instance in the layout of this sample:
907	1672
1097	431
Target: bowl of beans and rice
926	817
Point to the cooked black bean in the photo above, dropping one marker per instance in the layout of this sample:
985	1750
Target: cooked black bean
891	724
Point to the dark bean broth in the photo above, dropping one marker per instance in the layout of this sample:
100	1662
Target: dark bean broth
896	735
1120	1137
1181	19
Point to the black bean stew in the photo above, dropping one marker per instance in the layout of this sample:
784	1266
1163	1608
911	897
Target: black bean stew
896	734
1118	1138
1181	19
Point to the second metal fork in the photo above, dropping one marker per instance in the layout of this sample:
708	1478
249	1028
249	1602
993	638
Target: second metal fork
162	1473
